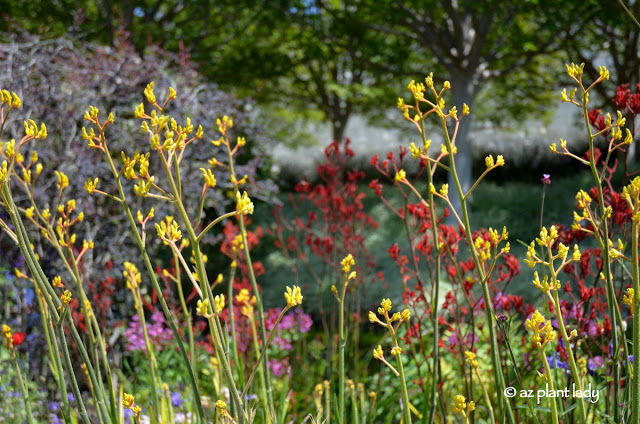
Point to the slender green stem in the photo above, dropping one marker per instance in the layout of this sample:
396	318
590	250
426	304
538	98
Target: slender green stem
341	349
635	391
354	406
186	313
263	352
204	281
261	382
327	402
489	313
232	323
572	361
214	222
406	410
156	287
156	384
23	388
435	294
254	285
486	395
518	376
74	384
53	302
603	238
54	353
549	379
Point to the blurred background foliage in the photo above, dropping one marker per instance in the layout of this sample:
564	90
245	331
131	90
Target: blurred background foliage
279	67
274	64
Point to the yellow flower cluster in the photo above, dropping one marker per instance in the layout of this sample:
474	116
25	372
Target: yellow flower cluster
491	164
631	193
247	302
148	93
65	298
209	178
10	98
168	230
293	296
132	275
218	303
347	263
383	310
202	307
548	239
544	284
31	130
471	359
542	331
8	337
224	124
129	402
629	298
460	405
244	206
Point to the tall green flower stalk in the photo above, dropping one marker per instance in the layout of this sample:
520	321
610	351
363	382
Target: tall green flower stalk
224	126
600	222
435	285
52	302
348	276
391	324
631	194
473	363
294	297
99	141
134	279
550	284
437	106
169	140
544	334
8	338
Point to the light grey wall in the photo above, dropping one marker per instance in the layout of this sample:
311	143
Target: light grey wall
520	144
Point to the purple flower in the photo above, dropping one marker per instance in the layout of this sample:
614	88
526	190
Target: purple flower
555	362
159	334
546	179
304	321
282	342
454	339
287	322
595	363
176	399
279	368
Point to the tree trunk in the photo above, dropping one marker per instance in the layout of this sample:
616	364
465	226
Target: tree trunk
337	130
463	91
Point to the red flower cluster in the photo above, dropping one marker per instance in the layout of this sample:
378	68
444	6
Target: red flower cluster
336	223
626	101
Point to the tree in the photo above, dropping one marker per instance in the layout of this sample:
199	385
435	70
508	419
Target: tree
472	43
336	63
614	41
614	38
